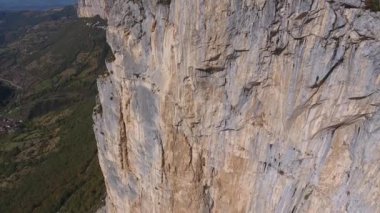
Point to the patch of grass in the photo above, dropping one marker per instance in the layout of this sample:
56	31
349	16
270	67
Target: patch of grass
69	173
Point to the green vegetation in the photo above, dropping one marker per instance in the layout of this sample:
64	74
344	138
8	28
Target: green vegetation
16	23
51	164
373	5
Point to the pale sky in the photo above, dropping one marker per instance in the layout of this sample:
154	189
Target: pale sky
33	4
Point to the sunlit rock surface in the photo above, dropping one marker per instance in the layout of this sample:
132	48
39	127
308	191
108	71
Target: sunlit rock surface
88	8
240	106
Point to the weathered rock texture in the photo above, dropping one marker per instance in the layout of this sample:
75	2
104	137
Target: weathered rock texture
240	106
88	8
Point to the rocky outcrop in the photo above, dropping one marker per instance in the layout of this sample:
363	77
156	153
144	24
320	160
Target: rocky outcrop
89	8
240	106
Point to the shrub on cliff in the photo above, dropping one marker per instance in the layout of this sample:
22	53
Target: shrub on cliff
373	5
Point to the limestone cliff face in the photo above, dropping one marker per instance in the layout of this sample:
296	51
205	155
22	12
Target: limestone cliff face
240	106
89	8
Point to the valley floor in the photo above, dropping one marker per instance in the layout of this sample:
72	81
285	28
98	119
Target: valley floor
48	154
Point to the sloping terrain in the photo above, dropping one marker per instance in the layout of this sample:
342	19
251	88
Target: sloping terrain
49	62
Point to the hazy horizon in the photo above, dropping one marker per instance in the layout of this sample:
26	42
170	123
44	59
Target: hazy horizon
34	4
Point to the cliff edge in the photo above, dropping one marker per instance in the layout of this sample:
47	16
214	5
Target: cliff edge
240	106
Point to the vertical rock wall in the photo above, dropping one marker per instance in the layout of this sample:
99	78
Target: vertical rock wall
240	106
89	8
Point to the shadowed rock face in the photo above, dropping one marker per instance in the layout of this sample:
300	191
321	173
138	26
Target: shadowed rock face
240	106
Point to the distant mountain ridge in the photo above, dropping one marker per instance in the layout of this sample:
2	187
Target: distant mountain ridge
34	4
